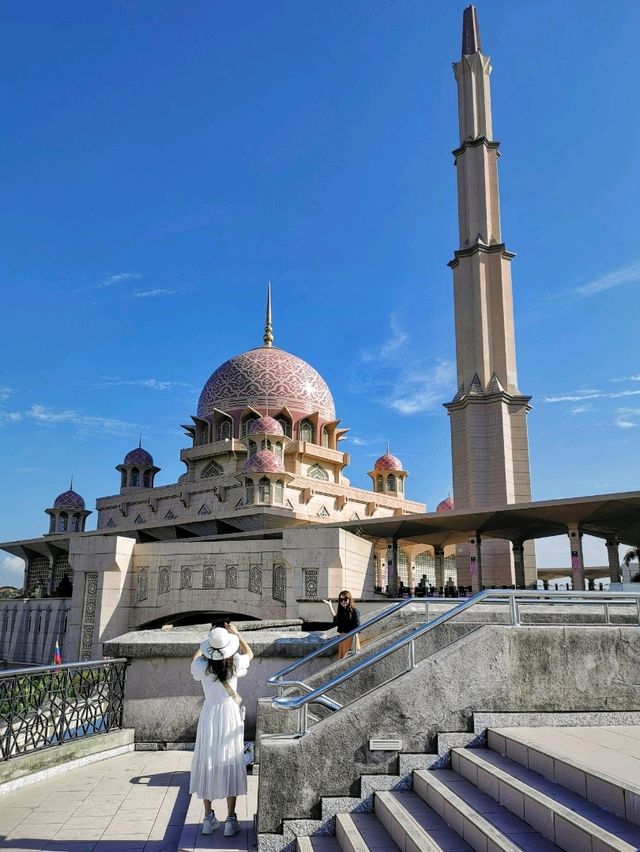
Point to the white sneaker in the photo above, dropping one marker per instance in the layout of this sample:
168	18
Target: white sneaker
210	823
231	826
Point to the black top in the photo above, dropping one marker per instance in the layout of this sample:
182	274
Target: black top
346	619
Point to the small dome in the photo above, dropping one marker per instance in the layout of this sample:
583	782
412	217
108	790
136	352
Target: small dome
138	456
388	462
445	505
68	500
265	424
263	462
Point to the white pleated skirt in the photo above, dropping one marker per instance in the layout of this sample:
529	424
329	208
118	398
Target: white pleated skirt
217	768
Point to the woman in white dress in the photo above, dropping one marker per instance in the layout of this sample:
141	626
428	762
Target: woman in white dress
217	768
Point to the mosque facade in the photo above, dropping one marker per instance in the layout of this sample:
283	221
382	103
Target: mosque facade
252	528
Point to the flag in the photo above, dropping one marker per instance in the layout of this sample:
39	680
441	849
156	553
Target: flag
57	656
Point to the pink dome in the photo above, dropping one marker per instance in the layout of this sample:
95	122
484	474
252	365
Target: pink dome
68	500
138	456
263	378
265	424
263	461
388	462
445	505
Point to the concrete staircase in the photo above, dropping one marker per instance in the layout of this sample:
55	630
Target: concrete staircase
529	789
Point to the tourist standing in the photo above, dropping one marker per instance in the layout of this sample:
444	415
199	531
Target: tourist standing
346	619
217	769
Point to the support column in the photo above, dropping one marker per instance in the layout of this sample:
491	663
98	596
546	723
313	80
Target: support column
438	558
475	564
613	556
577	559
392	572
518	565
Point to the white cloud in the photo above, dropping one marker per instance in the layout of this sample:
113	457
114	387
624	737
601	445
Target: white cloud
9	417
627	418
11	570
423	387
581	396
152	294
84	422
118	278
5	393
360	441
624	275
403	381
150	384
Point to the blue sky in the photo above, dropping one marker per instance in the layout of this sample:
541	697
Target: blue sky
162	161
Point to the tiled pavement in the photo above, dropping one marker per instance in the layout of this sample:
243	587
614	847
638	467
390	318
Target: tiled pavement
136	802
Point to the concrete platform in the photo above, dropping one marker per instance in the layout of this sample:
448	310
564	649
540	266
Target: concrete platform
192	839
136	802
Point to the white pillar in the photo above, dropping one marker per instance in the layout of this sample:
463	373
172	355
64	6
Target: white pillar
613	556
475	564
392	573
577	558
438	559
518	564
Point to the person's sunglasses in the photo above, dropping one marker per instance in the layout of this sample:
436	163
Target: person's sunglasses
343	600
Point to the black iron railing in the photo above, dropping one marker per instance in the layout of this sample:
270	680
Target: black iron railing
49	705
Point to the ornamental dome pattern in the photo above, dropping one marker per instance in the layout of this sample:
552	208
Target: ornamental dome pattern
388	462
266	378
263	461
445	505
68	500
265	424
138	456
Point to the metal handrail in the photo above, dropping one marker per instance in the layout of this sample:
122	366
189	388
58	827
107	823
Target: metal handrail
56	668
275	679
511	596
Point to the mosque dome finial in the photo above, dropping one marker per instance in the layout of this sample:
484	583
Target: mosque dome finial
268	328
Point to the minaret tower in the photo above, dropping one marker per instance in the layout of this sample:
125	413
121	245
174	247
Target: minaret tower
488	414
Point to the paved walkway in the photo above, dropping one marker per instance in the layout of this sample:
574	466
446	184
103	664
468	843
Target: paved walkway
136	802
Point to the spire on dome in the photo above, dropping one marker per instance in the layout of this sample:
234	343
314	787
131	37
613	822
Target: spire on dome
268	330
470	32
71	483
140	441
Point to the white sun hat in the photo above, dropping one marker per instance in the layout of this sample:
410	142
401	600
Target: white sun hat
219	644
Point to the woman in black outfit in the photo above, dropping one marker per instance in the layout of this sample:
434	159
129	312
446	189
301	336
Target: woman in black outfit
347	618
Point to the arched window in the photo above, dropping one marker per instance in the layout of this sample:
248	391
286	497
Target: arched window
123	479
306	431
318	472
62	522
400	485
253	448
379	484
146	479
248	420
286	425
266	444
224	430
264	490
202	434
52	524
212	469
248	491
278	450
391	482
325	437
134	478
75	523
278	491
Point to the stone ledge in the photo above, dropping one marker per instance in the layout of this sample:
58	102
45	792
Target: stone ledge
29	768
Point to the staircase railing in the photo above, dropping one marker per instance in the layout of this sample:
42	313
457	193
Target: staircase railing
514	599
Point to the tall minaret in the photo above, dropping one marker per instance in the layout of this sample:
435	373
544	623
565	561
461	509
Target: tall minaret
489	442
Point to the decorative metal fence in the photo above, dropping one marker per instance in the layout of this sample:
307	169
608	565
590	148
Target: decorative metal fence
49	705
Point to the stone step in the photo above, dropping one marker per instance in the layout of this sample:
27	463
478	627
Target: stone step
475	816
567	756
317	844
413	825
560	815
361	832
